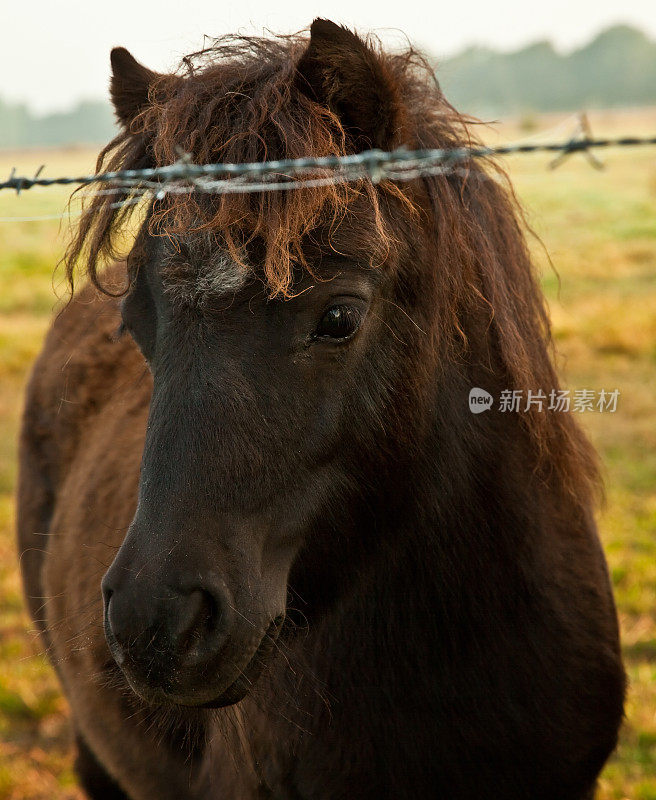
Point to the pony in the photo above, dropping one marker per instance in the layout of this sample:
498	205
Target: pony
282	557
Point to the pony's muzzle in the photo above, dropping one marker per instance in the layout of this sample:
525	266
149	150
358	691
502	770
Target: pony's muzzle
164	631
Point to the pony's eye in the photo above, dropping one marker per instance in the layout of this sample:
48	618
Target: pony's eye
339	323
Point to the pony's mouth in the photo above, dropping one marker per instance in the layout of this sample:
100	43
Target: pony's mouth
239	688
192	690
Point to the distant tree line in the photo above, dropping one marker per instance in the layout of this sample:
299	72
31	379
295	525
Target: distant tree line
88	123
616	69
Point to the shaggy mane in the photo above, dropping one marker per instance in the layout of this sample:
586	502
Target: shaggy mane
237	102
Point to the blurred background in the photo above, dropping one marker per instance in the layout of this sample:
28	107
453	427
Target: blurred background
525	70
493	59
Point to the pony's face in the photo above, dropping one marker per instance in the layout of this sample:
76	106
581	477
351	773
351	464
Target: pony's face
280	407
261	410
266	406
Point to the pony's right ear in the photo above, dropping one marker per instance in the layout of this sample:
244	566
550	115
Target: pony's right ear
129	86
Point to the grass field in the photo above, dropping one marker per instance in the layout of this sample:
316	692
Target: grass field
599	228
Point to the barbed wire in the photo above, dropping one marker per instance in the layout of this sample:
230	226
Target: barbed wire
376	165
184	176
234	185
534	137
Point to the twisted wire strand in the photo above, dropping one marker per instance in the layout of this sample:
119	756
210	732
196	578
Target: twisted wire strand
184	176
374	163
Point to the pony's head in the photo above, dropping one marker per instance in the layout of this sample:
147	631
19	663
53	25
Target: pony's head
310	349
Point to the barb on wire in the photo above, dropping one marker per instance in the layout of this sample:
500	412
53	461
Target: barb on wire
184	175
24	183
579	143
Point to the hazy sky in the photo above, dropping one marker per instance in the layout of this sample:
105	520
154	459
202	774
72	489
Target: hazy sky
57	51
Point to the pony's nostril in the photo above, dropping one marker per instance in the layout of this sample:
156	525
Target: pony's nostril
200	623
106	588
114	646
106	596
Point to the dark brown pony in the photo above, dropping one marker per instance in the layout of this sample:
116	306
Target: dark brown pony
323	577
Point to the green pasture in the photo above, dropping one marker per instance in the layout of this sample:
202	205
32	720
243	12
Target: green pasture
599	228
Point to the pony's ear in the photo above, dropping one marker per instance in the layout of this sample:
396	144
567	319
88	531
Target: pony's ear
129	85
339	70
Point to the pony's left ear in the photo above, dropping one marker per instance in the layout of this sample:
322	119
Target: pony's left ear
130	85
339	70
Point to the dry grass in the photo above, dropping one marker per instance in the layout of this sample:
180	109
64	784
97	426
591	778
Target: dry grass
600	230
